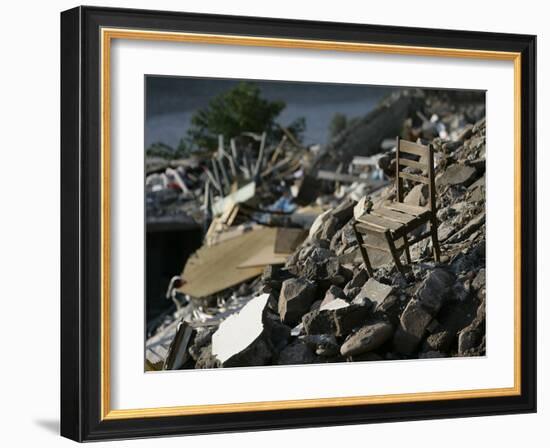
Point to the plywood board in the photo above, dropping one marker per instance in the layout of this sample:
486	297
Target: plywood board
214	268
288	239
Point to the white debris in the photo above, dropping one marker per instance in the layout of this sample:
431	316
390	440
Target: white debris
239	330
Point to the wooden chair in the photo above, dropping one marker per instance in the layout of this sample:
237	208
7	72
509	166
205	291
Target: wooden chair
387	228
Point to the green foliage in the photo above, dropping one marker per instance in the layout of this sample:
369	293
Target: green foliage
338	124
238	110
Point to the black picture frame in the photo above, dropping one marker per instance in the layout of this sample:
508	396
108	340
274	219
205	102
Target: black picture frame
81	210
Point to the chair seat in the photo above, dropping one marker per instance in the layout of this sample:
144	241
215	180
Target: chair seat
396	217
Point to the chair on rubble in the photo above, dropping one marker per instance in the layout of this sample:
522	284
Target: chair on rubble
387	228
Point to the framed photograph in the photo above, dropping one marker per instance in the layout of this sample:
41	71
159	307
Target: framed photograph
276	224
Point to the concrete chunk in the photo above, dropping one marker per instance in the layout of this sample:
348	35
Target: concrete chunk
295	299
238	340
375	291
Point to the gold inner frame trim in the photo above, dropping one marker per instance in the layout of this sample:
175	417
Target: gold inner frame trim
107	35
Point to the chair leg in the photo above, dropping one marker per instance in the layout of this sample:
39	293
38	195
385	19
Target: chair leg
407	251
394	253
363	250
435	241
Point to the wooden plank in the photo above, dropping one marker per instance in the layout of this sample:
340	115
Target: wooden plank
412	148
398	216
414	177
408	208
382	223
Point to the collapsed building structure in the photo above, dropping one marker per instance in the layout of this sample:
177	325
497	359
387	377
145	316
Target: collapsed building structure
278	278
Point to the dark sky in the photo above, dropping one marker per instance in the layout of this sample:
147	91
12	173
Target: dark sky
171	101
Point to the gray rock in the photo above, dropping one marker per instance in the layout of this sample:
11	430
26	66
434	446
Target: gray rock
297	353
390	307
370	356
432	354
468	339
295	299
344	211
334	292
202	339
329	229
337	317
357	281
276	332
457	174
417	196
318	224
472	226
315	305
435	289
439	341
412	326
479	280
367	339
449	147
348	318
322	344
206	359
471	340
319	322
375	291
466	133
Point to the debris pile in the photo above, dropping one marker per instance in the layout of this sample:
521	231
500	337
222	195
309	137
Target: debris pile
279	279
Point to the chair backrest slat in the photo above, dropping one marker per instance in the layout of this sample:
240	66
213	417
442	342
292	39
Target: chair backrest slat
419	157
413	148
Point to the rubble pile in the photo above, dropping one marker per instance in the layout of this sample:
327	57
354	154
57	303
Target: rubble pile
316	303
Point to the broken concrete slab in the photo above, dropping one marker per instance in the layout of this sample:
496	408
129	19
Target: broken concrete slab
367	339
412	326
238	340
295	299
375	291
